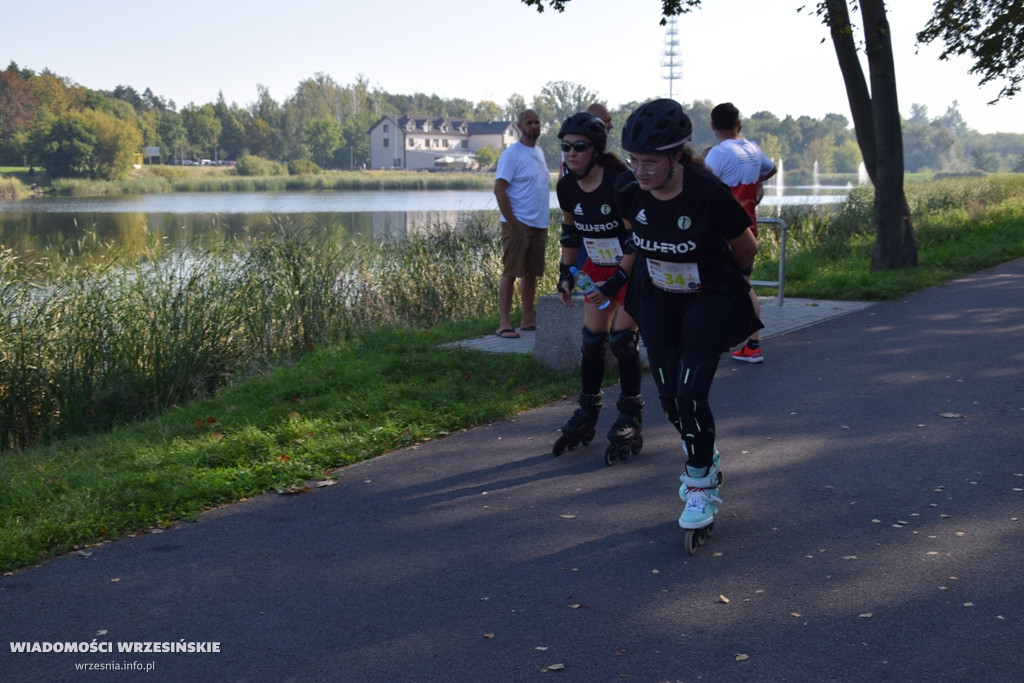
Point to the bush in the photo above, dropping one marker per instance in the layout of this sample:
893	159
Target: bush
251	165
302	167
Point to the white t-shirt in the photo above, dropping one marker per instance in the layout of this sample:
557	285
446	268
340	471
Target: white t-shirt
529	184
738	162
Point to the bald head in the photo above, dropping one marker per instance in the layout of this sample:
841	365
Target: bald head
601	112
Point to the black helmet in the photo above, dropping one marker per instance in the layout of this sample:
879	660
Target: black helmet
657	126
587	125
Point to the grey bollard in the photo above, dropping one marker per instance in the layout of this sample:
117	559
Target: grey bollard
557	342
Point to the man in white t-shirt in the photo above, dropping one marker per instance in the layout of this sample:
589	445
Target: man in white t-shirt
522	186
740	164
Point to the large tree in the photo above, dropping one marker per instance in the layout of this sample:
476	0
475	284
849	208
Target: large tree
876	116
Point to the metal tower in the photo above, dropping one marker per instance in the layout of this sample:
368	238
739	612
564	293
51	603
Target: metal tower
672	63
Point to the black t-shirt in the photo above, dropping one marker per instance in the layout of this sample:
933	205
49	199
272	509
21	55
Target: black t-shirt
690	228
595	217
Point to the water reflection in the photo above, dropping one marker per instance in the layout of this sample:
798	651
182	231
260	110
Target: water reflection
132	222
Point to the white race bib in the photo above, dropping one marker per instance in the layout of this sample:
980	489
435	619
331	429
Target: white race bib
679	278
603	251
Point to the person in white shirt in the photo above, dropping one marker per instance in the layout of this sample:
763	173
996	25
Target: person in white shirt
740	164
522	187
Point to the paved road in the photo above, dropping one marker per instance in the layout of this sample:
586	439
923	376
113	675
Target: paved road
872	530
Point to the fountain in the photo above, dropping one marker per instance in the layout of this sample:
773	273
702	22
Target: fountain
779	186
814	176
862	174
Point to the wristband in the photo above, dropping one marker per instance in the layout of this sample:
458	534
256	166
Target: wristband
616	282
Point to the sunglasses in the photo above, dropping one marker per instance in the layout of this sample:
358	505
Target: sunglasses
580	146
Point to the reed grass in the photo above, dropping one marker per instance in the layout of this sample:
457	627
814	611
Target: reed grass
106	338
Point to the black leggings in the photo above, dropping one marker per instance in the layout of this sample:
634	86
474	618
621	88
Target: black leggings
685	334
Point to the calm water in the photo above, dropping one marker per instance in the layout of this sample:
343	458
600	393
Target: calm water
36	223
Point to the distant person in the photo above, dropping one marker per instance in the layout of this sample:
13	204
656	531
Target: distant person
522	186
593	229
741	165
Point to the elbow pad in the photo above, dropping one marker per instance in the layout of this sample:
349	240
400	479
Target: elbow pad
571	238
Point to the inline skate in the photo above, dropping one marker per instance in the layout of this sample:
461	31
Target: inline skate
699	490
624	435
579	428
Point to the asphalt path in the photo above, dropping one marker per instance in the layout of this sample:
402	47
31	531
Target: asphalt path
872	530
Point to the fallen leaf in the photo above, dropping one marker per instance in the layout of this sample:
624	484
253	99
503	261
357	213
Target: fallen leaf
488	636
211	420
556	667
951	415
567	516
795	614
542	648
575	606
741	657
722	598
295	489
115	580
326	482
866	615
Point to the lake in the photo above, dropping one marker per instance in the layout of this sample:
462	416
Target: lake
33	224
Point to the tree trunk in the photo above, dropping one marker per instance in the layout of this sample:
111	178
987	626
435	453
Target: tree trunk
895	243
876	121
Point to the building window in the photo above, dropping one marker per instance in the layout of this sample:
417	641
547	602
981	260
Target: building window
387	142
412	143
465	144
387	128
398	163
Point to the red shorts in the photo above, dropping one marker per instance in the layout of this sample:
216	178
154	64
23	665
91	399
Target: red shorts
601	273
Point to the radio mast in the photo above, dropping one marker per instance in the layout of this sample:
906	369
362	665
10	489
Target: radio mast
672	63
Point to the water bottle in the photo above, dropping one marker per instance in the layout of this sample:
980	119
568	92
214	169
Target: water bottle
586	284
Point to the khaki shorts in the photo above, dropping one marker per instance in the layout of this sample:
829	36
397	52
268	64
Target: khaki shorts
524	250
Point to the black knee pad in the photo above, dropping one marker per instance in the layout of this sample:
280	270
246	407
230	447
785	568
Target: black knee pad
623	343
594	343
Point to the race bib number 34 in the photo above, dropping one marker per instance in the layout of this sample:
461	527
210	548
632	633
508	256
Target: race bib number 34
681	278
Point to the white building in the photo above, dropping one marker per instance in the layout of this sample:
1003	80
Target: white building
419	142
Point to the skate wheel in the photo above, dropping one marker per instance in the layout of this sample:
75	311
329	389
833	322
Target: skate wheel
610	454
637	444
587	437
702	536
720	477
560	445
692	542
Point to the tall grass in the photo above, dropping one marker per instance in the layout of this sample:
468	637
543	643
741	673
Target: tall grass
962	225
91	342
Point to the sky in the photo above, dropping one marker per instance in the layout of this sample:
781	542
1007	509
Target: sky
761	55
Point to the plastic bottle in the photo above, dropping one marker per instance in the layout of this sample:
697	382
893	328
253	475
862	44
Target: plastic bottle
586	285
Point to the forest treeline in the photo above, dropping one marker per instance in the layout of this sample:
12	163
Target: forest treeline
51	122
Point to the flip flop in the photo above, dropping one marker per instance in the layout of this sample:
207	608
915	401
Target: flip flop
507	333
531	328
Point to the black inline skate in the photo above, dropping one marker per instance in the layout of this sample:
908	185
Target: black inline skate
624	435
579	429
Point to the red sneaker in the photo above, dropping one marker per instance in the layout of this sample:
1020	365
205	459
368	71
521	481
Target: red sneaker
748	355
